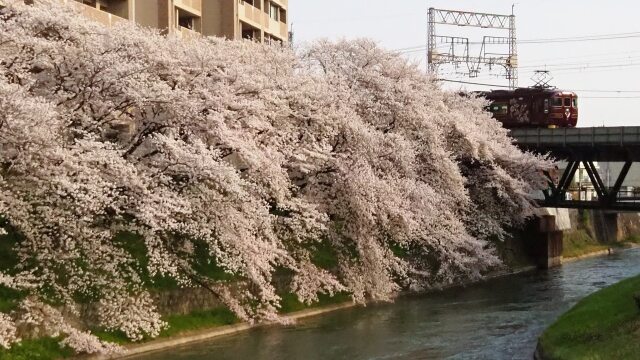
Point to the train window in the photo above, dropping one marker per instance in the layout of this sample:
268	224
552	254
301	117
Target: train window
567	101
499	108
557	101
575	102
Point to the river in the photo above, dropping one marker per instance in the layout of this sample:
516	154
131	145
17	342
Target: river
496	319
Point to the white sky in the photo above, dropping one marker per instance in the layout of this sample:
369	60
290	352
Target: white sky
403	23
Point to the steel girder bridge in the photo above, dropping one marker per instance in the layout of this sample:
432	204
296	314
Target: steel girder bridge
585	146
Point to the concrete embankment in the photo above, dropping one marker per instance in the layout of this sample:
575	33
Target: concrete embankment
209	334
203	335
599	233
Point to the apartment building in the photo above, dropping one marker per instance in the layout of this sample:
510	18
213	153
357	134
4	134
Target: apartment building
259	20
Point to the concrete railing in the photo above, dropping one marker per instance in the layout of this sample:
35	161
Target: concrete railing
282	3
185	33
100	16
249	12
193	6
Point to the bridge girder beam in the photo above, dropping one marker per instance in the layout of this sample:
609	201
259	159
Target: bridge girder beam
585	145
608	198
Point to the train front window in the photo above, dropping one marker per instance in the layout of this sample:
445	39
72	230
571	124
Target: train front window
499	109
557	101
575	102
567	101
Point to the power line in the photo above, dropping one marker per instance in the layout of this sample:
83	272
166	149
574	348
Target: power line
589	71
472	83
601	61
582	38
591	55
604	66
575	90
610	97
609	91
544	41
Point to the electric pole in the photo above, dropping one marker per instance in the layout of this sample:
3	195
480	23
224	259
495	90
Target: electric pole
457	51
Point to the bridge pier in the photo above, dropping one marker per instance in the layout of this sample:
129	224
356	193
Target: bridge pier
545	241
606	226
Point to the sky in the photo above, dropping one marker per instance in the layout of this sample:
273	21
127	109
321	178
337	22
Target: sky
593	69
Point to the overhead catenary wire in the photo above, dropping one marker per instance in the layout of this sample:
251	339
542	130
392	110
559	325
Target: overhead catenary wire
614	36
576	90
608	63
610	97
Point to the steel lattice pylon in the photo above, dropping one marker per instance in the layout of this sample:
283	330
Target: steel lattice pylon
472	19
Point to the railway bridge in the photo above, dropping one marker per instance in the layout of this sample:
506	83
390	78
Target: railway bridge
586	146
580	147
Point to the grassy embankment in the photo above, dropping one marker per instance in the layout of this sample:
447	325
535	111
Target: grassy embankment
582	242
48	348
604	325
578	243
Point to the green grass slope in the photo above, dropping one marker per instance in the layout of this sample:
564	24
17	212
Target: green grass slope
604	325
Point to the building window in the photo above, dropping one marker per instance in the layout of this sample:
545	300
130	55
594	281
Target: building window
283	15
187	20
249	32
274	12
272	40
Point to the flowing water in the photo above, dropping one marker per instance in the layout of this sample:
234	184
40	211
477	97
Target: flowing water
497	319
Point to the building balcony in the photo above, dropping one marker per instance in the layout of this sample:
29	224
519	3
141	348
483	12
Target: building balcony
192	6
249	13
100	16
185	33
282	3
277	28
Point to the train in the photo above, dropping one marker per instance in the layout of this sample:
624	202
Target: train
533	107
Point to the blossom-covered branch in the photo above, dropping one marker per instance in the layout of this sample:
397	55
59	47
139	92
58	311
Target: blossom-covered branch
254	156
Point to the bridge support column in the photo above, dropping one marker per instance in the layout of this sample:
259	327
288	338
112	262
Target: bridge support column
545	241
606	226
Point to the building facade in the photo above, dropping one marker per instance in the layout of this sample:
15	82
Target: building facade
259	20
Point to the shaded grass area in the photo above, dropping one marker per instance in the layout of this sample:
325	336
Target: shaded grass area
49	348
197	320
37	349
604	325
9	298
209	319
579	242
633	239
290	302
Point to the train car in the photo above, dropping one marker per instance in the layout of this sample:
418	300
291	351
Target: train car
533	107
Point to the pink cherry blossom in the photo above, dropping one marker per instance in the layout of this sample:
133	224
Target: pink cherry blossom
257	155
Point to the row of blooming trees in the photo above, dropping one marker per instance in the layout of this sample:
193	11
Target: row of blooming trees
252	156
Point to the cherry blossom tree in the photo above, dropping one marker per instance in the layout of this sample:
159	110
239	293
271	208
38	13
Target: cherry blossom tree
255	157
